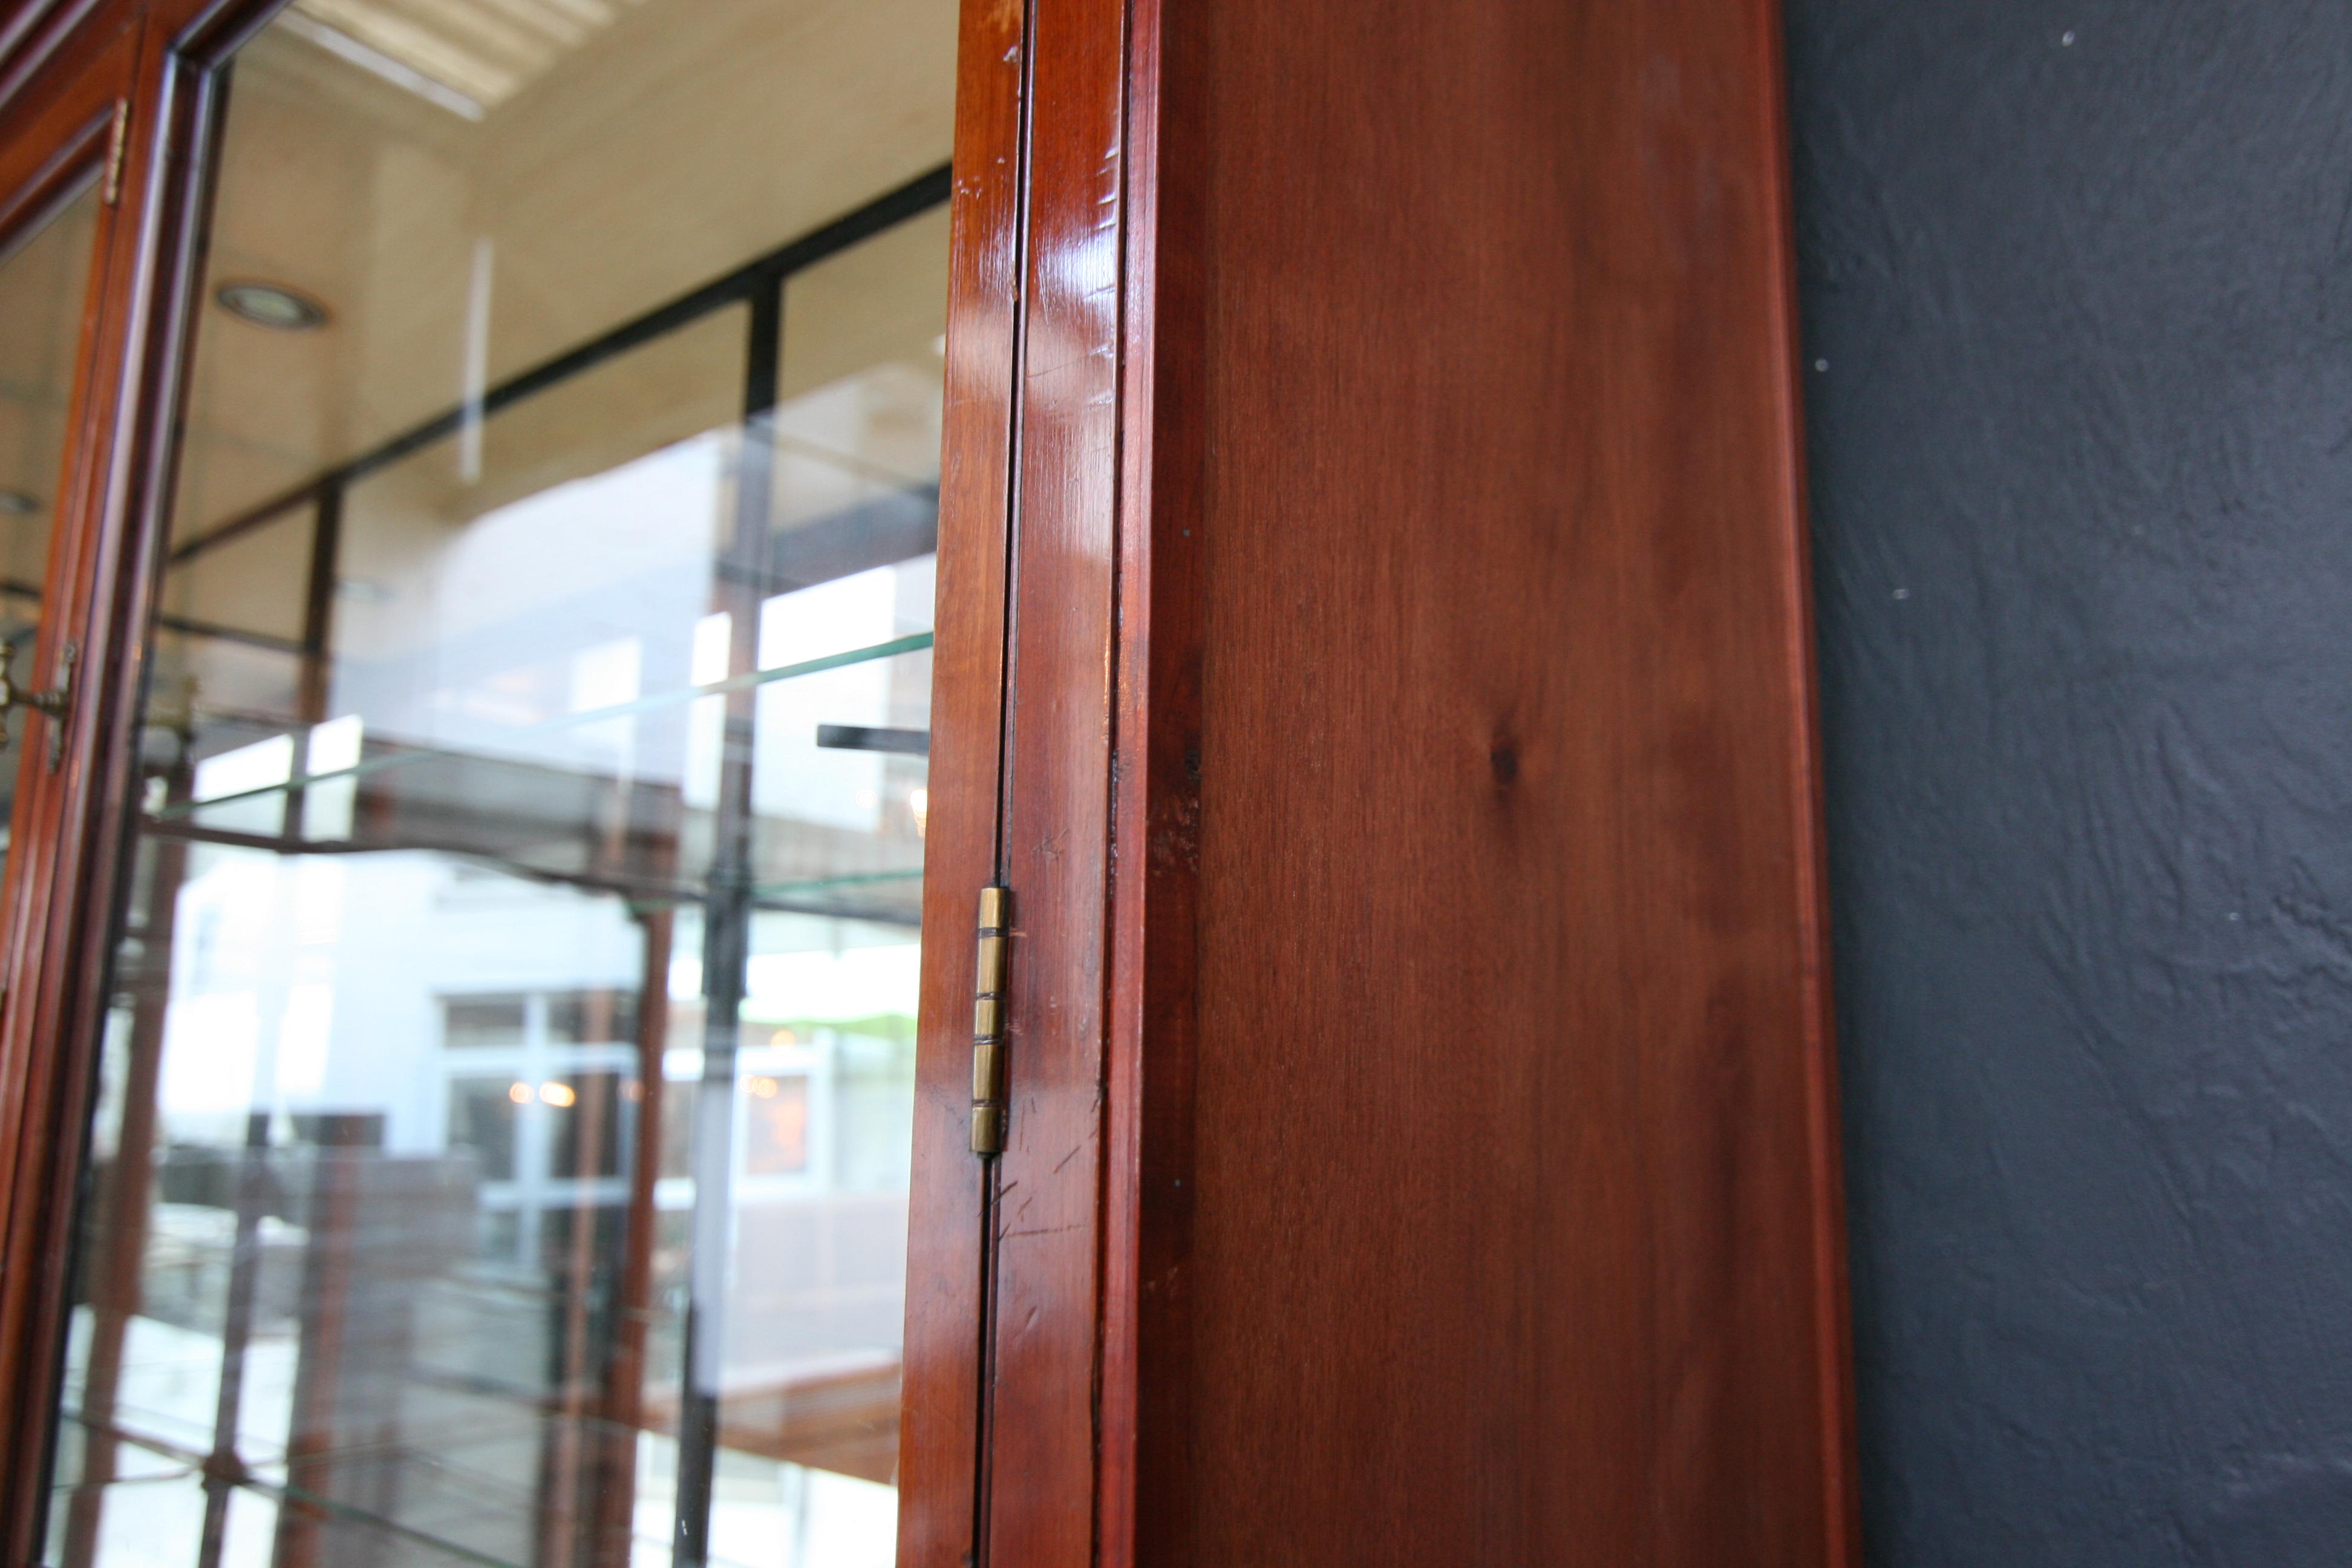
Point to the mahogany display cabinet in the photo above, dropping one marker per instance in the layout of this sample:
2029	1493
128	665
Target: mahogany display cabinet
822	782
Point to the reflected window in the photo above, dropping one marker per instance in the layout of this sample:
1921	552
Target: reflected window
777	1116
483	1113
587	1017
485	1022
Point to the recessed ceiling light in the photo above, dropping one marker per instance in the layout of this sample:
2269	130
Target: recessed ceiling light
17	503
271	305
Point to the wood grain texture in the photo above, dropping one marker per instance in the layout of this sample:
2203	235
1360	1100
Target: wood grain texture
1500	1086
939	1423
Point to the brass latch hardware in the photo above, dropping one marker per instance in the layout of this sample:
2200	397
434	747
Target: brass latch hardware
988	1023
56	702
114	150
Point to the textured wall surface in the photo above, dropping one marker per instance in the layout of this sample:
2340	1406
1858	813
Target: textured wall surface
2078	288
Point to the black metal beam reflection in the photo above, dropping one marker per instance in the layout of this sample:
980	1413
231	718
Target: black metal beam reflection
873	737
638	891
18	588
919	195
725	950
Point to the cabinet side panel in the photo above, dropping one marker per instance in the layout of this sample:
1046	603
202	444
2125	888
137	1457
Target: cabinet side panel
1513	1224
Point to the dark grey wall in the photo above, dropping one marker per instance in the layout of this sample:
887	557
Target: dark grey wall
2082	470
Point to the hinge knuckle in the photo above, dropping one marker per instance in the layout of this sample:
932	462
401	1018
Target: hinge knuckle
117	137
987	1036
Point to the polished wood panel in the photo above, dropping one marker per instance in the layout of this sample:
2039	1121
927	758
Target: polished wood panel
1046	1222
1471	1057
939	1421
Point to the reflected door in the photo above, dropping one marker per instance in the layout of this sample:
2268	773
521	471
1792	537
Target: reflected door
45	278
502	1143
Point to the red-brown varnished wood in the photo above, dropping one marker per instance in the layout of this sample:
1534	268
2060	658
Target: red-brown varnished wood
1422	1145
939	1430
1156	804
1834	1327
1479	1144
47	38
1046	1220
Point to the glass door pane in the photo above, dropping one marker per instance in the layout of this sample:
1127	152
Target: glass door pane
503	1147
44	283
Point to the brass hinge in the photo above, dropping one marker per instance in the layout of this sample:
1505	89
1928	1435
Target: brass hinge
988	1023
114	150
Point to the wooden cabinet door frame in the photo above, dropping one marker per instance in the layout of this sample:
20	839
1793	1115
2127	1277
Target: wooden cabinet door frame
1050	258
161	59
1044	1421
1086	1391
1059	203
942	1434
74	115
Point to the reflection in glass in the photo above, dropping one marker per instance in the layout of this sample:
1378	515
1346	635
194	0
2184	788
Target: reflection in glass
43	281
506	1130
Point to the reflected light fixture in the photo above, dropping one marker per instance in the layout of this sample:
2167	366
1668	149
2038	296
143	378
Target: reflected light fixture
271	305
